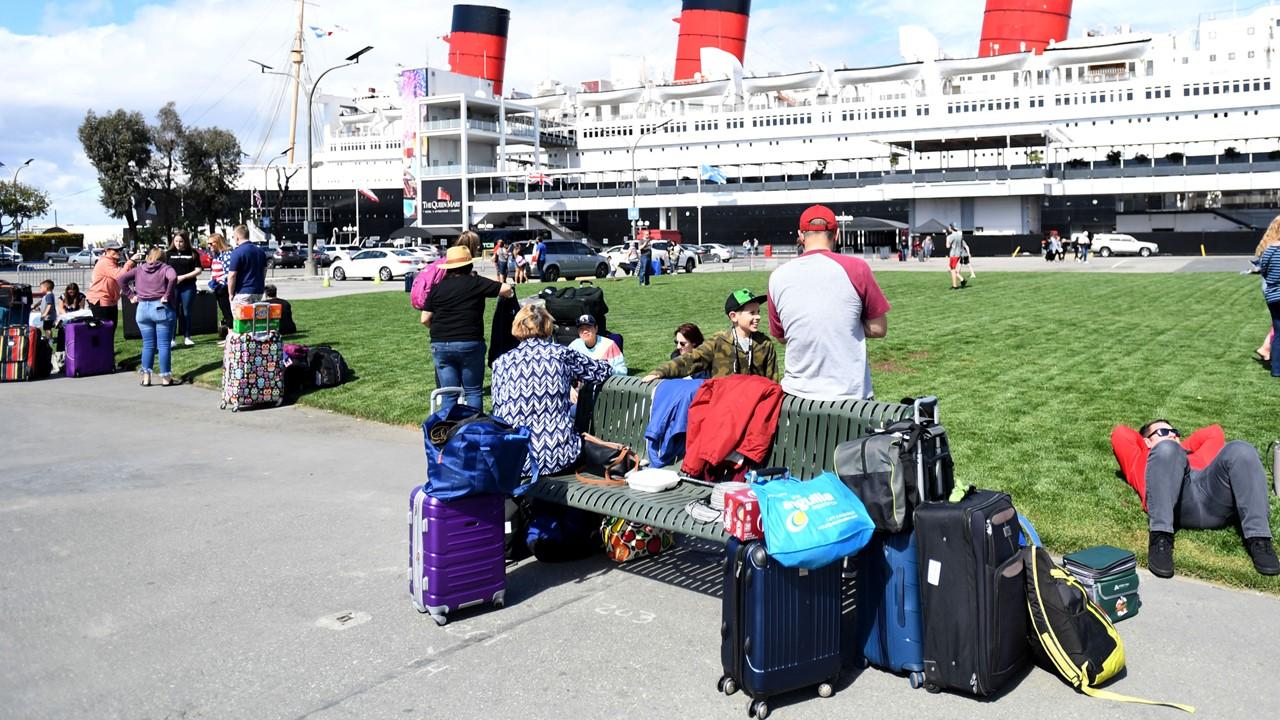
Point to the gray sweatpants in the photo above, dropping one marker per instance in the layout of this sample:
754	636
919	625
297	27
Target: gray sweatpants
1233	486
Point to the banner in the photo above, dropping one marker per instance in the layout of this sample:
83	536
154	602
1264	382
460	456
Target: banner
441	202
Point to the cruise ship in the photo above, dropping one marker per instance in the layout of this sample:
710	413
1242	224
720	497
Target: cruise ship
1165	136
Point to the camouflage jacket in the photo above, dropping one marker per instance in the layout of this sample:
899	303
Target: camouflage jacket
720	355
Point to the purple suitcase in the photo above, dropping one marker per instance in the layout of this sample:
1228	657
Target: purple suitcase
456	553
91	348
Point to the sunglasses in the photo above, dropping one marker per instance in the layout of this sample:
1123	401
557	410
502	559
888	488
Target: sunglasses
1164	432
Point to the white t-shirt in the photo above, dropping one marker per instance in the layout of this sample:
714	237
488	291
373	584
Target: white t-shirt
817	304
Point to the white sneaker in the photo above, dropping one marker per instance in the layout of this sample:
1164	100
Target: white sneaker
173	343
188	342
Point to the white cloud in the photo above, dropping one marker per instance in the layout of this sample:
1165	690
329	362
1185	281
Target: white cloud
196	52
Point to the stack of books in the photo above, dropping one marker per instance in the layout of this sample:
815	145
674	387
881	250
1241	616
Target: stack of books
1110	576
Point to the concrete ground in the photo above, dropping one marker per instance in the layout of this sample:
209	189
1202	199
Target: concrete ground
164	559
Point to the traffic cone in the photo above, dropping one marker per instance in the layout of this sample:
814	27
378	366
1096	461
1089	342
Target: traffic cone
377	280
325	281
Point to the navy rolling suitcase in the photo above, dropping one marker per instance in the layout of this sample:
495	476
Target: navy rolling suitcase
780	629
888	606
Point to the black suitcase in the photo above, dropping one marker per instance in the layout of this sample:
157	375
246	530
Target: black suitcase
16	300
780	627
204	316
972	590
567	304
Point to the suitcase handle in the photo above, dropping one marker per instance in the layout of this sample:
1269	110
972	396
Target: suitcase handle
767	474
927	404
438	395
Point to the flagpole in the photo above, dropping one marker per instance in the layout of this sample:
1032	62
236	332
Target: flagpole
357	215
699	205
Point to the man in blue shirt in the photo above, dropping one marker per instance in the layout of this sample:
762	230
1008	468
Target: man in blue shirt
247	272
540	256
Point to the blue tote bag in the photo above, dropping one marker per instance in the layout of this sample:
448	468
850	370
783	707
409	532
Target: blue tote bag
811	524
470	453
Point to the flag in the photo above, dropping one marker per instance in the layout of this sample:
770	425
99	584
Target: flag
713	174
442	195
539	179
321	32
368	194
257	199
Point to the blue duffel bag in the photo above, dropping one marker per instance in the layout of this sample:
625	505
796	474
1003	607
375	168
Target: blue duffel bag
470	453
813	523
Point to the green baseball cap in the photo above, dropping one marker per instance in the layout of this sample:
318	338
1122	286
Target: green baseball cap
741	297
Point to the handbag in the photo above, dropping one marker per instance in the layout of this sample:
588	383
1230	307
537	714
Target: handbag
470	453
813	523
604	459
626	540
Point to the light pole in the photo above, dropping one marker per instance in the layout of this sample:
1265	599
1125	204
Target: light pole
17	223
310	224
266	190
635	214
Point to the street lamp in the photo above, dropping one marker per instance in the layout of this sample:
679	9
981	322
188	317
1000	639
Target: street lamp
310	225
266	190
17	223
634	212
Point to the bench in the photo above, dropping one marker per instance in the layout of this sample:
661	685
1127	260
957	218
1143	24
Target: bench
808	433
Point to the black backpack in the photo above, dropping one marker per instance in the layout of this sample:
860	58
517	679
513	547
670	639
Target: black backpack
566	305
327	367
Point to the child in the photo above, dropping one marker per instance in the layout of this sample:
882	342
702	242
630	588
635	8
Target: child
48	307
286	310
740	350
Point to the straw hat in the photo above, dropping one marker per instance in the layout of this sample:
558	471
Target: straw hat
456	257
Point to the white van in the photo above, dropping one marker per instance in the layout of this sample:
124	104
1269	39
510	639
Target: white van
1108	244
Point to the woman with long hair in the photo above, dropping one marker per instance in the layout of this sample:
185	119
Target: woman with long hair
185	262
153	283
220	253
1269	265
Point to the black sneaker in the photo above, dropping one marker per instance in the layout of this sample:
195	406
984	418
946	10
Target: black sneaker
1263	555
1160	554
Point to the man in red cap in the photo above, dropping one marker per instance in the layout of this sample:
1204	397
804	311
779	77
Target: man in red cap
823	306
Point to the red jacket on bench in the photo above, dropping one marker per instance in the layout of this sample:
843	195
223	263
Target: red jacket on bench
1131	451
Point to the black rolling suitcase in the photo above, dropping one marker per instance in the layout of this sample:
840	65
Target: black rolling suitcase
972	592
780	628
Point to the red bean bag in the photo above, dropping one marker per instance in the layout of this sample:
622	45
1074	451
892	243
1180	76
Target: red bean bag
1131	452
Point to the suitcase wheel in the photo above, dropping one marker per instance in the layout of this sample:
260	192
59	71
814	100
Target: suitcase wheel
916	679
727	685
930	687
223	406
440	619
758	709
827	689
499	598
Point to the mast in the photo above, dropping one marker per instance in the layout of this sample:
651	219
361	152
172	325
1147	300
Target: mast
297	82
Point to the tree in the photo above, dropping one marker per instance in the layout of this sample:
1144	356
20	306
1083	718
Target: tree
283	189
20	203
211	159
119	147
162	174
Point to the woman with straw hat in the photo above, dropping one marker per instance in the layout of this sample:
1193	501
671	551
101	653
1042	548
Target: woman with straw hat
454	312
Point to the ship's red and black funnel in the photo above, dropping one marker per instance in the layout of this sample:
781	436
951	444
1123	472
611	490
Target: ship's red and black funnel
1012	26
478	42
710	23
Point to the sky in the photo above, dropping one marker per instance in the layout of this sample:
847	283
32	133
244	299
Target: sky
65	57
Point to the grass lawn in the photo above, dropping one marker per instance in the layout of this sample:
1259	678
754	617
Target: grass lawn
1032	369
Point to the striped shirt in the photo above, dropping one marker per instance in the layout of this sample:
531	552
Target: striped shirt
1270	265
218	266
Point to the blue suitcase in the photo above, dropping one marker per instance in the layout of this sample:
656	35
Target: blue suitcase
780	629
888	606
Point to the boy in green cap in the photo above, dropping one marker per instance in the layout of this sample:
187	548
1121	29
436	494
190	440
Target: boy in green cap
740	350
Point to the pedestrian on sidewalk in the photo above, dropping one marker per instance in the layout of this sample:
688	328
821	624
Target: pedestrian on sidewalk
153	283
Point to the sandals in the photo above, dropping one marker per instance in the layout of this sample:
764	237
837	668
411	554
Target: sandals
170	381
146	380
1258	356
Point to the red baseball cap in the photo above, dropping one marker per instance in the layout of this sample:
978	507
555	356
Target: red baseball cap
818	212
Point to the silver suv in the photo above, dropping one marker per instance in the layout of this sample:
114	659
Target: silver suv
569	259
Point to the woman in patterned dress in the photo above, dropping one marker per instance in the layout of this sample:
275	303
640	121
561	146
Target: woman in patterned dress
531	385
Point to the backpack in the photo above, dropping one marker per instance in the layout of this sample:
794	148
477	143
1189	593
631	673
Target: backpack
881	469
567	304
426	279
1070	635
327	367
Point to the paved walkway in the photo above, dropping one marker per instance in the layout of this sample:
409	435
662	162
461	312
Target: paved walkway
163	559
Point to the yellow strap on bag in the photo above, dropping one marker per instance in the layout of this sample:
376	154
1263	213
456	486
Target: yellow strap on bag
1079	676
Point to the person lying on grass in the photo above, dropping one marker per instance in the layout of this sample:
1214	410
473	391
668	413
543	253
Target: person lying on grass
1200	482
740	350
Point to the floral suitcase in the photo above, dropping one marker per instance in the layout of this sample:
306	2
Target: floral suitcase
252	370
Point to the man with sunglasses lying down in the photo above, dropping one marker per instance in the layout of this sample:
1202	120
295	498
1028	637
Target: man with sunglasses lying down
1202	481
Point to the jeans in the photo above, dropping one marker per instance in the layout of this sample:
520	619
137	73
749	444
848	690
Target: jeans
1275	338
460	363
182	319
1232	486
155	320
643	268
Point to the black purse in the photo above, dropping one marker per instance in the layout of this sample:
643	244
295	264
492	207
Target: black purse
604	459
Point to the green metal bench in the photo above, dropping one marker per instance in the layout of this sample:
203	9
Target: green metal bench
808	432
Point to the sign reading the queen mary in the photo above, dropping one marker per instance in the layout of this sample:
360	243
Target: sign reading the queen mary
441	202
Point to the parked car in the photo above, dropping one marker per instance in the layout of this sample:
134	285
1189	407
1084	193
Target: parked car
714	252
383	263
675	256
1108	244
287	256
11	255
87	257
570	259
61	255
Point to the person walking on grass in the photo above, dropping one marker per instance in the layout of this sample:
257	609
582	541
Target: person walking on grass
955	248
153	284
